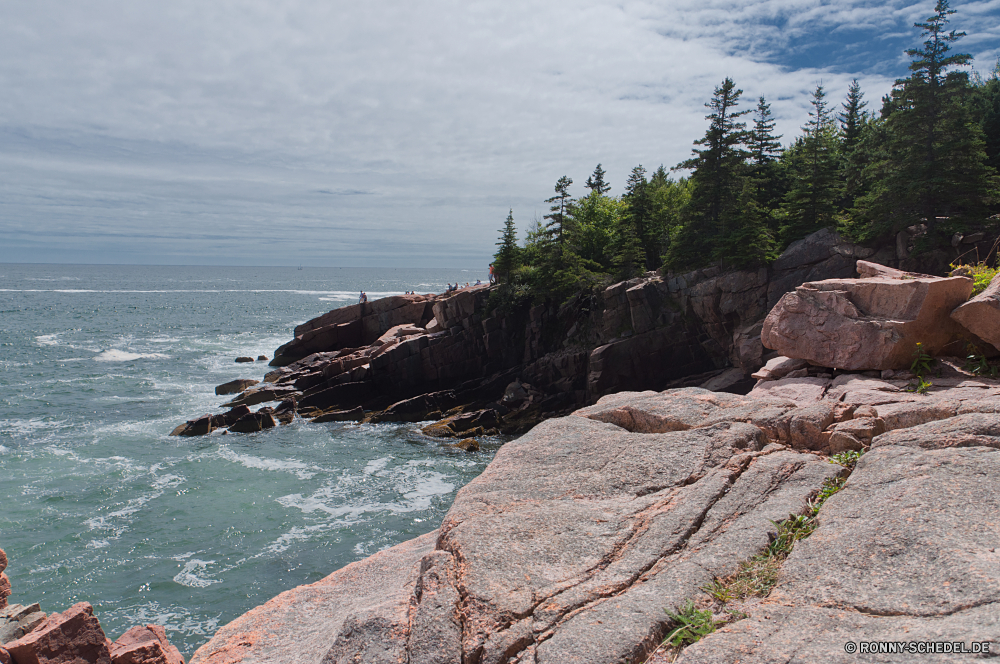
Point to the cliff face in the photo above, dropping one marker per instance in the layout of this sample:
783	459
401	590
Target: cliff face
417	357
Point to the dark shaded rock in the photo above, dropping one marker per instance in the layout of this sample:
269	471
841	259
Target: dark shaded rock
4	656
206	424
254	422
235	386
17	620
145	645
467	444
364	604
262	358
260	395
474	424
243	359
350	415
285	412
71	637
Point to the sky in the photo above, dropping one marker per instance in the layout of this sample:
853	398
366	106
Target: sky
386	133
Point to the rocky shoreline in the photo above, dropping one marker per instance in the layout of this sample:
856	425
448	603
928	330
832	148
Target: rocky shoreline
447	357
582	537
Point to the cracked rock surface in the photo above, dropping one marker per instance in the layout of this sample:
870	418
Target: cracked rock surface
576	537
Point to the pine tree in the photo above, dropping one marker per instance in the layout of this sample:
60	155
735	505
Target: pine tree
507	258
853	122
596	181
765	149
561	203
935	161
637	196
716	182
811	203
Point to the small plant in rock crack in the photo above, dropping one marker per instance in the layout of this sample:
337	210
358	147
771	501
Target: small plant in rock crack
920	386
921	364
846	459
692	625
718	591
791	530
977	364
831	485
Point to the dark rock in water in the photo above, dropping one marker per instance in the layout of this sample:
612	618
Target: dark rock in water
206	424
350	415
253	422
235	386
73	636
285	412
145	645
17	620
464	423
264	394
467	444
262	358
243	358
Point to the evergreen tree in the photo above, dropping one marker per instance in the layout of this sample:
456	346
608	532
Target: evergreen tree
935	157
811	203
716	182
596	181
765	149
558	213
639	215
507	258
853	121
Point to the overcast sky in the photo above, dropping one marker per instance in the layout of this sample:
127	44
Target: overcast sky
319	132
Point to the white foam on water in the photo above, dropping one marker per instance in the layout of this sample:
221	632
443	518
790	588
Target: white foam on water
375	465
115	355
296	534
301	470
98	544
48	339
194	574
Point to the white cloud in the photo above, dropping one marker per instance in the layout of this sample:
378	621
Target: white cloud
194	131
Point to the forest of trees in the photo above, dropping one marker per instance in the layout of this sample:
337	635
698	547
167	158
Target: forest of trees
930	155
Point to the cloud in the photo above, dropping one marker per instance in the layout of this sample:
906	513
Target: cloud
269	132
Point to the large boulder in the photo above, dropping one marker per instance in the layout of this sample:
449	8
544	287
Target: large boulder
981	314
71	637
235	386
870	323
145	645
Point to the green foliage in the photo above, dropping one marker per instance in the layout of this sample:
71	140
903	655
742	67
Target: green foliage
692	625
508	257
831	485
976	363
981	273
920	386
847	459
921	364
789	531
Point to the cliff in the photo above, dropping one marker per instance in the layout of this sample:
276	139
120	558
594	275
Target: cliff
425	357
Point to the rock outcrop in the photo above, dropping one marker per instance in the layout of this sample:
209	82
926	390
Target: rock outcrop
144	645
874	322
74	635
419	357
981	314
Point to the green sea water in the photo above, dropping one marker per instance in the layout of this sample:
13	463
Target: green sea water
98	503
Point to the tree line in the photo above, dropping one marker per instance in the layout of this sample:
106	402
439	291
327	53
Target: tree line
929	156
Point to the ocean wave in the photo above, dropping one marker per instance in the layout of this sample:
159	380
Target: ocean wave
194	574
48	339
301	470
115	355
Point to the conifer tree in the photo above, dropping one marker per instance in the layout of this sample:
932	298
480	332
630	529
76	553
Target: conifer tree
558	213
934	164
765	149
508	256
637	196
716	183
596	182
853	122
811	202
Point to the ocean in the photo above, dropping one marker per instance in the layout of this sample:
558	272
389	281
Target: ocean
98	503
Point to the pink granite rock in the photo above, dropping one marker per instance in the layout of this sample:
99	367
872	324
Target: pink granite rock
145	645
871	323
4	656
981	314
71	637
4	589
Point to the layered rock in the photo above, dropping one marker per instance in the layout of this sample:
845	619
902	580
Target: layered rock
874	322
144	645
74	635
